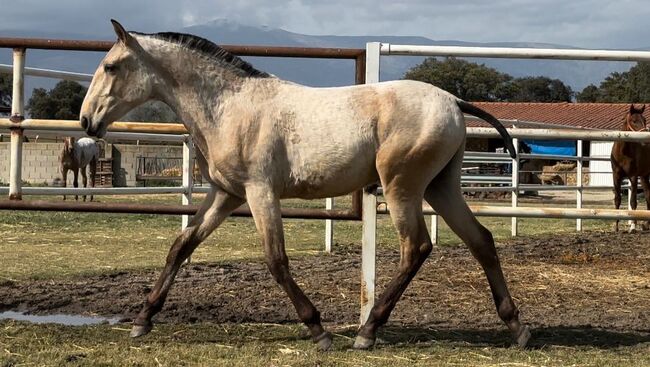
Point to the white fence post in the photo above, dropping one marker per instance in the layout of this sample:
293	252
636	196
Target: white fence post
188	178
515	186
368	253
17	115
579	183
369	209
434	229
329	226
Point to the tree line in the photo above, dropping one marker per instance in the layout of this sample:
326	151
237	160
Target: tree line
467	80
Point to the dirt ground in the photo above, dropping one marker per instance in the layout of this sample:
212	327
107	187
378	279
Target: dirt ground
597	283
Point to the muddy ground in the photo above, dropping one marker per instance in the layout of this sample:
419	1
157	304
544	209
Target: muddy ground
590	281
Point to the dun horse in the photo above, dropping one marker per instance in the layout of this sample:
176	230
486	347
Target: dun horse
631	160
76	156
263	139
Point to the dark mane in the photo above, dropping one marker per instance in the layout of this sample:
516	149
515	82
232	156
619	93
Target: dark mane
210	50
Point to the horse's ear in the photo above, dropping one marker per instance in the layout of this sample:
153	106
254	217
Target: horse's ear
632	109
642	109
122	35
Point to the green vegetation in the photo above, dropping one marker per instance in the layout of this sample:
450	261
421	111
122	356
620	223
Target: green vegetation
52	245
277	345
632	86
63	102
477	82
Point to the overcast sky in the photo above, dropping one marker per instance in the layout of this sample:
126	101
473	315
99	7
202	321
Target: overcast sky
580	23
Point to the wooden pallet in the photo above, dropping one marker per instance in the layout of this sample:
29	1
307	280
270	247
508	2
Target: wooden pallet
104	174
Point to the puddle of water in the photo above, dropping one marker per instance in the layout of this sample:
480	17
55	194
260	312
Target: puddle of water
72	320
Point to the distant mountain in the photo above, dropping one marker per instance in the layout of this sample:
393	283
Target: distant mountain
316	72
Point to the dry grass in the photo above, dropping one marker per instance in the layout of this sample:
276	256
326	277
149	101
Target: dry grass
53	245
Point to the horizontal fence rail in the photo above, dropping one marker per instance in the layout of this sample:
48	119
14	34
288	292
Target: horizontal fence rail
515	52
557	213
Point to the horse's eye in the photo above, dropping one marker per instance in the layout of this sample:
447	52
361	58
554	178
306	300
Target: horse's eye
110	68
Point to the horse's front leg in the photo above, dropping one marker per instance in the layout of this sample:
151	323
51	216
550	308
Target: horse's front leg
265	208
64	174
618	179
216	207
633	200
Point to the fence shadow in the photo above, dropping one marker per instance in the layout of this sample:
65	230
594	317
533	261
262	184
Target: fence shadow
576	336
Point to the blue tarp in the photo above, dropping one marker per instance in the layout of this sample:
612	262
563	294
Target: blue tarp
554	147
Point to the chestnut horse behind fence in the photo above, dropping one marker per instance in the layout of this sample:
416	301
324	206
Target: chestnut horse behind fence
76	156
631	160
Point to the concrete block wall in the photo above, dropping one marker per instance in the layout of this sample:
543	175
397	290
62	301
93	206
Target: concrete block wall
41	161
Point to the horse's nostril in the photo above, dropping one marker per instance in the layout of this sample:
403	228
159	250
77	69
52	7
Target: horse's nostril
84	123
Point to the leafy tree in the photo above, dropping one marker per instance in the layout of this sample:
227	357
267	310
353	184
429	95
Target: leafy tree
5	92
466	80
477	82
61	102
540	89
632	86
153	111
591	93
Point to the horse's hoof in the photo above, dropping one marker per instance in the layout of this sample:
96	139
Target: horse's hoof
324	341
361	342
523	337
140	330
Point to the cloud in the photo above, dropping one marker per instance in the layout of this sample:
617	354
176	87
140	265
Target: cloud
583	23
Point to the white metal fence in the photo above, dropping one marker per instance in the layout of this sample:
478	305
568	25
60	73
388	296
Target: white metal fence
370	211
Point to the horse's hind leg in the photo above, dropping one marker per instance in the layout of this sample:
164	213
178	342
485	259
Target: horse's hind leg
216	207
93	173
404	182
84	180
415	245
444	195
265	208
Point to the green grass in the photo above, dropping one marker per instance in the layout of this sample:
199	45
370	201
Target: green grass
277	345
55	244
41	245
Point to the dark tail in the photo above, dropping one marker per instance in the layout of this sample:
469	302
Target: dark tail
470	109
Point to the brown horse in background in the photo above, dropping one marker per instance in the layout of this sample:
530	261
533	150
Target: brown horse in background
631	160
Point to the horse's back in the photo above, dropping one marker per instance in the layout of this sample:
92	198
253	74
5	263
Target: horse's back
86	151
334	134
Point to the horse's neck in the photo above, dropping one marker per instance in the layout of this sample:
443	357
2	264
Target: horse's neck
195	87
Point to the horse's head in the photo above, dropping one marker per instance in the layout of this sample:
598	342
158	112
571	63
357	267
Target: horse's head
123	81
634	119
68	146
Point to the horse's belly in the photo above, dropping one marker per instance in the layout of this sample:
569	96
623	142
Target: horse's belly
329	176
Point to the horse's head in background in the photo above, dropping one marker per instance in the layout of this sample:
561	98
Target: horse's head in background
123	81
634	120
68	146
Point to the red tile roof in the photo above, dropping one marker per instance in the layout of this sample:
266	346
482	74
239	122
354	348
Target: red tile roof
607	116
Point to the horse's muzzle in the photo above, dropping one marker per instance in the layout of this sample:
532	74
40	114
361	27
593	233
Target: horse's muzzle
87	125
